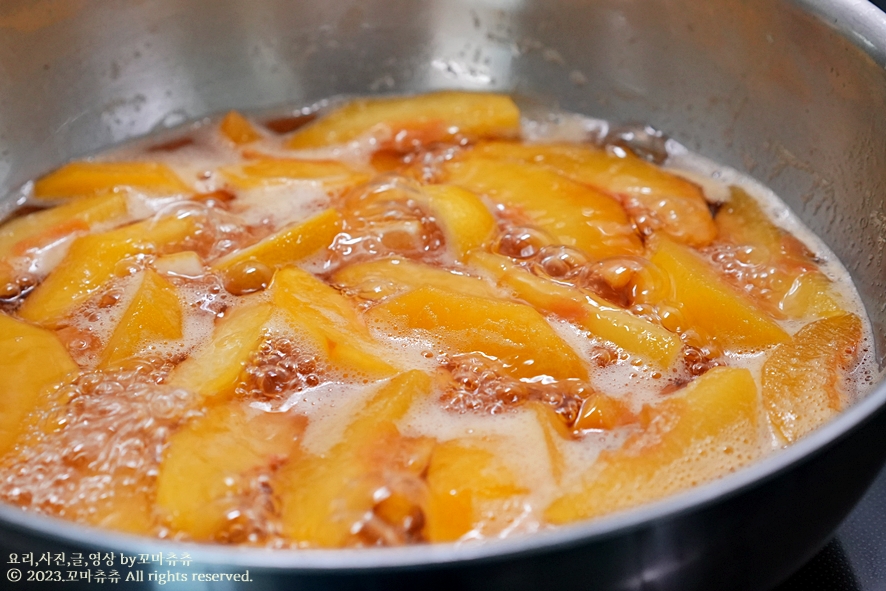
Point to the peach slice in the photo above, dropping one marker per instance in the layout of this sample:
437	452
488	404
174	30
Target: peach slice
329	321
676	206
802	378
325	498
40	228
574	214
154	315
376	280
515	334
706	430
85	179
268	171
795	287
32	360
463	479
214	369
711	306
466	222
238	129
91	262
288	246
633	334
403	121
209	469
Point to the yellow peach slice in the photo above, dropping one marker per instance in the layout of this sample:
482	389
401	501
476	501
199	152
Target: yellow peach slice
795	287
802	378
574	214
42	227
635	335
32	359
207	469
154	315
288	246
711	306
703	432
91	262
329	322
515	334
677	207
324	497
466	222
238	129
84	179
402	121
214	369
462	478
376	280
267	172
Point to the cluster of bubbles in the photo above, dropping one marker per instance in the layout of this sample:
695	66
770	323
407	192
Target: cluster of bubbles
102	435
277	369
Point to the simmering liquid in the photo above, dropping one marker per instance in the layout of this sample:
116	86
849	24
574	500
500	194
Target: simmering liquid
400	321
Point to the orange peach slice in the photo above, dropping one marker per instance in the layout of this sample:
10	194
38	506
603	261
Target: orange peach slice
288	246
207	469
403	121
463	479
329	322
214	369
324	497
155	315
515	334
376	280
705	431
802	378
267	172
85	179
633	334
43	227
238	129
32	360
676	206
466	222
91	262
573	213
711	306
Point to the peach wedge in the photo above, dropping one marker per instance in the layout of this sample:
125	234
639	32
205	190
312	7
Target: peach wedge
435	117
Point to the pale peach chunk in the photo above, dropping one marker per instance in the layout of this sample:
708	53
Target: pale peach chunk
405	121
464	479
44	227
214	369
32	360
464	219
209	470
238	129
795	287
91	262
288	246
154	316
515	334
329	322
573	213
711	306
635	335
676	206
268	172
803	378
376	280
324	499
85	179
706	430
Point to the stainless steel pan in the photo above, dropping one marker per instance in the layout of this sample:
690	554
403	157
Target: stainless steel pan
793	93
